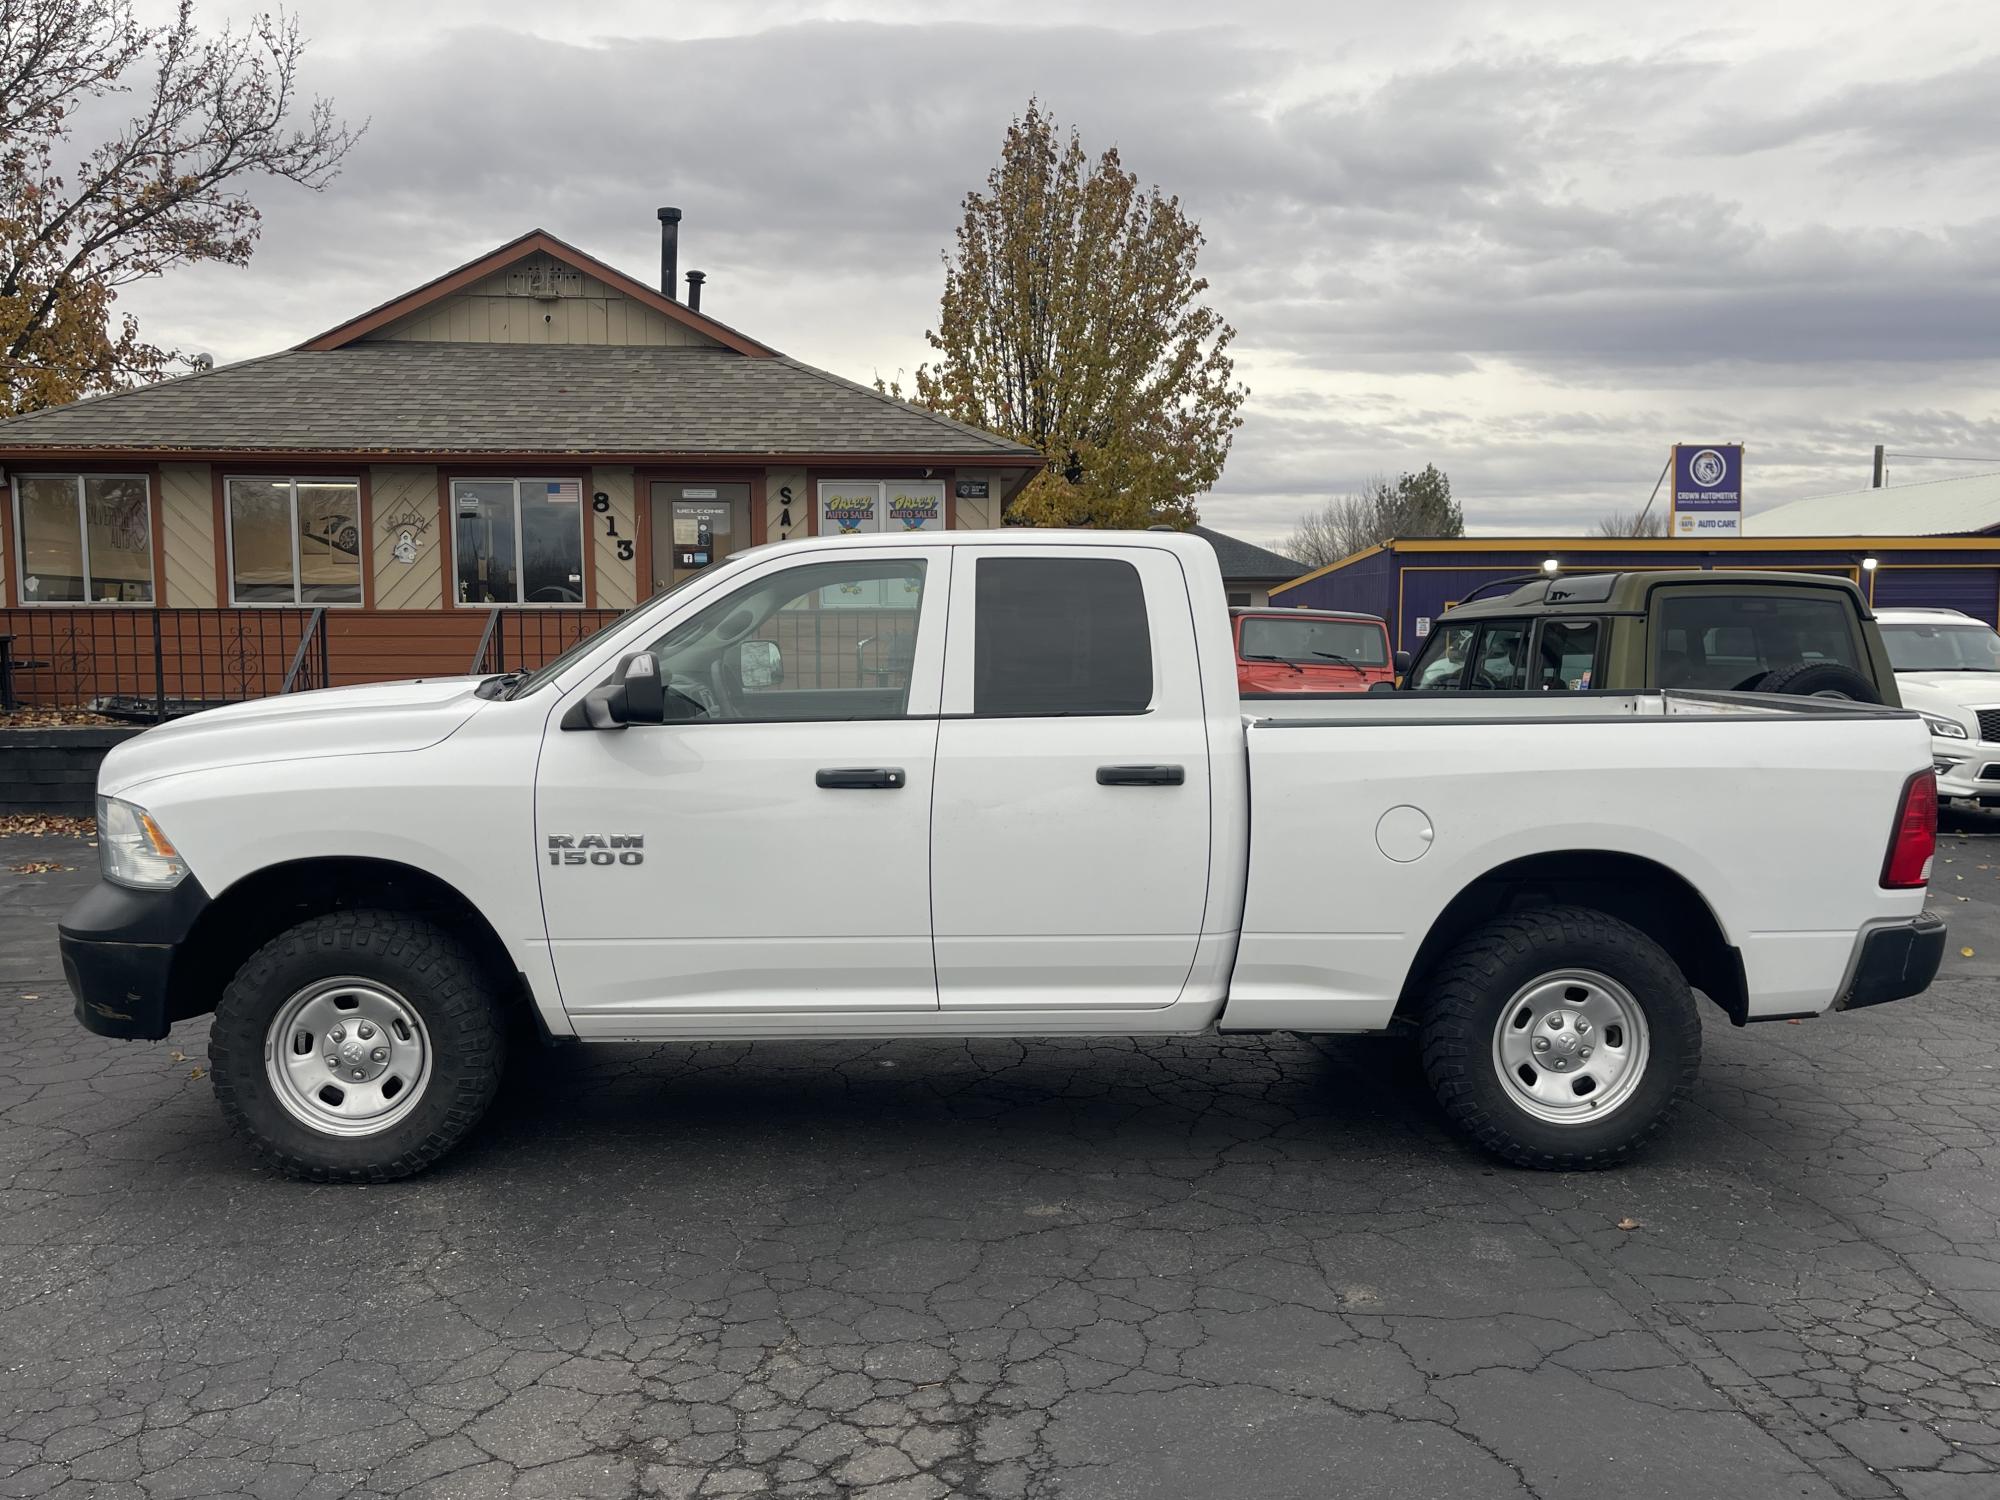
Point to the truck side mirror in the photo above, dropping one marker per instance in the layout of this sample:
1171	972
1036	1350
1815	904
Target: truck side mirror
635	696
645	696
1401	662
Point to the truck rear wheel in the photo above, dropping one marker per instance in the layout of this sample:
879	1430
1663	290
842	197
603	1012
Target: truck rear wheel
1561	1038
359	1046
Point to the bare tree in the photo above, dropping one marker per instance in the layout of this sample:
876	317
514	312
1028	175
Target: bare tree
1340	528
1631	523
1415	504
167	187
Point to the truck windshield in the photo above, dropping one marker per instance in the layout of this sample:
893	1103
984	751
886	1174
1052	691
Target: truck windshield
1942	648
1359	643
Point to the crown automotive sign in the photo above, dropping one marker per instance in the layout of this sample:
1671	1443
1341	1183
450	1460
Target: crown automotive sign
1708	490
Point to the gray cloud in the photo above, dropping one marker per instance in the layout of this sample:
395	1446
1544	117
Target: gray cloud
1517	258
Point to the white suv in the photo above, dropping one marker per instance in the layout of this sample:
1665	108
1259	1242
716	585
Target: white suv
1948	669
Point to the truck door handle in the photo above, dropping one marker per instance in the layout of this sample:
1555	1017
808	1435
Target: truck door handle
1140	776
857	778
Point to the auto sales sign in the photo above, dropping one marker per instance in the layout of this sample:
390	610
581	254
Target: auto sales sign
1708	490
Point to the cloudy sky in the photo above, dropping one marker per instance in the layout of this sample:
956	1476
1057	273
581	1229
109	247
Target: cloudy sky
1533	243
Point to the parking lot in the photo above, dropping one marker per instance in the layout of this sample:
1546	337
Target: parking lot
1253	1266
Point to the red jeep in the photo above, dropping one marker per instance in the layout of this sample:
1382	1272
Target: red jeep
1310	651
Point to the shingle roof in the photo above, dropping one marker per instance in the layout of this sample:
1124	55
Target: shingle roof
422	398
1960	505
1241	559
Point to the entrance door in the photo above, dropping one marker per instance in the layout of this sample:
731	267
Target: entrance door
695	524
766	864
1070	842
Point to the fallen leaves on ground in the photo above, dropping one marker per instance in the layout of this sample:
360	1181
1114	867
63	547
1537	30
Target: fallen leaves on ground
1630	1223
39	867
1965	953
47	825
51	718
195	1072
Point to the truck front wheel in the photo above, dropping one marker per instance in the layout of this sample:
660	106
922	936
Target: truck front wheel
359	1046
1560	1038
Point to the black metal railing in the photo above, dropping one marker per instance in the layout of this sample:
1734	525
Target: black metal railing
524	639
309	662
155	664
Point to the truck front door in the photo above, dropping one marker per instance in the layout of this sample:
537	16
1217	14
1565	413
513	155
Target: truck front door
770	857
1070	846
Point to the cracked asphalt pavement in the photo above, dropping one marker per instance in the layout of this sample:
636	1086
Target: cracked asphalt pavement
1247	1266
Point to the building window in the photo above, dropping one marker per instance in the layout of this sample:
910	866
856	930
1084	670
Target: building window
856	507
294	541
85	538
519	541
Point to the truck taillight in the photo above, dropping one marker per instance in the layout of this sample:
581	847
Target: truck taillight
1914	842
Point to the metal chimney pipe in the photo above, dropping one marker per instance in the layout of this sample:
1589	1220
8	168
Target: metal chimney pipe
670	253
695	279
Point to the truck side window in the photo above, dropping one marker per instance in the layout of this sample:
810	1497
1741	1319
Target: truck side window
833	640
1566	656
1722	642
1059	636
1441	669
1500	660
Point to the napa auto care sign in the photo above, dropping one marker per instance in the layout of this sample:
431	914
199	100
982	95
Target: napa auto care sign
1708	490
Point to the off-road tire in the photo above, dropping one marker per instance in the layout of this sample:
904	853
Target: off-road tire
1478	980
434	972
1807	679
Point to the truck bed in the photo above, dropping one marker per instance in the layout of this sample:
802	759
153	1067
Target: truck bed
1371	812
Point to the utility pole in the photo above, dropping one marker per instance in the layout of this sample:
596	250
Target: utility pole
1878	466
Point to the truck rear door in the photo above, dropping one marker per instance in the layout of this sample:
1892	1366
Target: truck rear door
1070	831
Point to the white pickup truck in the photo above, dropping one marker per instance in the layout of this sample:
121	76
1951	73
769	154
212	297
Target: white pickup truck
986	784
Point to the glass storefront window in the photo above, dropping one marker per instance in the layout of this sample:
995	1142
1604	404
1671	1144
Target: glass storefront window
294	541
849	507
518	541
85	539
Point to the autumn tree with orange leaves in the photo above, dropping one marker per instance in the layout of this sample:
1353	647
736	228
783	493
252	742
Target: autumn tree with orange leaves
167	187
1073	321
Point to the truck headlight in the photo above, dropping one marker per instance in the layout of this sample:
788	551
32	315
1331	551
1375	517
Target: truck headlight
1946	729
131	848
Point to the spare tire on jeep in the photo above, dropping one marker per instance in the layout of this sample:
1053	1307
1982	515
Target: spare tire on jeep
1819	679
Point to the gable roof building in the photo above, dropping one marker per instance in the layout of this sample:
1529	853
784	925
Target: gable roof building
532	429
1249	572
1963	505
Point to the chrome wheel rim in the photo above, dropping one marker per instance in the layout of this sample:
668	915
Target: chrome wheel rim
347	1057
1571	1046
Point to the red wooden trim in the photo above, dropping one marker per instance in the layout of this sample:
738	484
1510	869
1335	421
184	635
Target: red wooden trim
219	490
10	568
365	552
447	543
951	500
758	524
263	460
533	242
642	534
156	535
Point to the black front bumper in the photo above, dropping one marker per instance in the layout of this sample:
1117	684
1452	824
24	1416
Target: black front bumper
1895	963
118	949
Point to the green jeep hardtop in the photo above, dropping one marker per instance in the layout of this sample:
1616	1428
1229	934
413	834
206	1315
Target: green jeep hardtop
1713	630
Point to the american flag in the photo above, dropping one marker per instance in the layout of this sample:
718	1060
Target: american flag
565	492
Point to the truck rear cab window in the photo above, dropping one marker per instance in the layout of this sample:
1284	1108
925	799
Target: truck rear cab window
1064	635
1720	642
